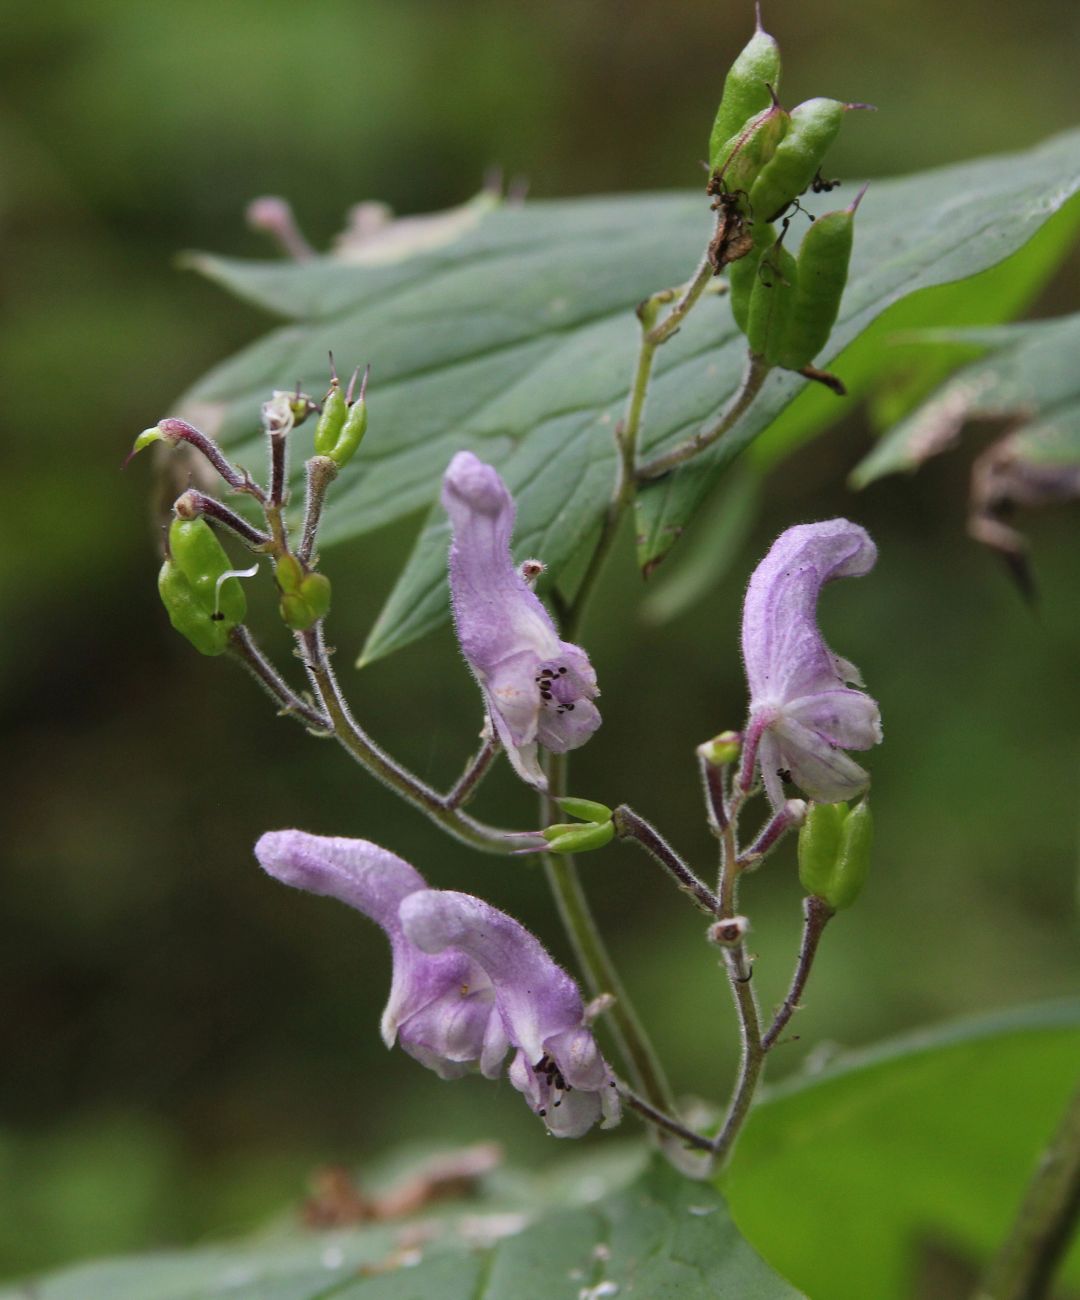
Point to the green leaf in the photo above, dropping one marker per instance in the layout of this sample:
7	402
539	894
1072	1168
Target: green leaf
657	1235
1029	378
517	340
843	1178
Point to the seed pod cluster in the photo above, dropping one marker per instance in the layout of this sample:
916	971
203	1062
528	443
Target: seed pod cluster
834	852
762	159
203	605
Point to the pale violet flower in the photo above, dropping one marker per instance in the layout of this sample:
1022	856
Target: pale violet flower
539	690
804	711
469	983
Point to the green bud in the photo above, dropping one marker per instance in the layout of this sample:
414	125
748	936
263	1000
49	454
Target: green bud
834	852
578	837
200	557
746	90
289	573
188	613
722	749
315	590
308	600
587	809
328	428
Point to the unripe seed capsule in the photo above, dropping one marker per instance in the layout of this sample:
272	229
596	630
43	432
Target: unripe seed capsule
580	837
289	573
771	302
824	257
819	846
200	557
745	90
328	428
748	151
853	864
811	129
187	613
742	275
352	432
587	809
315	591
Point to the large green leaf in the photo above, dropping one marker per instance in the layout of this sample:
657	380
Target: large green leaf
1030	379
656	1236
844	1178
517	339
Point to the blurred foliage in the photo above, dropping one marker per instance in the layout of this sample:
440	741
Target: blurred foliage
185	1040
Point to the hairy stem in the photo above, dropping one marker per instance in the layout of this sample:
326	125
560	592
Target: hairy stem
193	503
629	826
664	1121
355	740
817	914
476	769
245	649
753	378
1045	1222
321	472
643	1066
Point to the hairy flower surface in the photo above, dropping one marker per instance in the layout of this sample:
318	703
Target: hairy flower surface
804	711
469	982
539	689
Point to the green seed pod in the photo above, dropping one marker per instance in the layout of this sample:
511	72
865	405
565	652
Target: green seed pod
328	428
771	301
743	274
579	837
587	809
200	557
746	90
188	614
853	864
289	573
811	129
352	433
834	852
315	591
743	157
824	257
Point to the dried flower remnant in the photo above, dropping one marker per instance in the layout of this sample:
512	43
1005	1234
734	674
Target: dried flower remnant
804	711
539	689
469	983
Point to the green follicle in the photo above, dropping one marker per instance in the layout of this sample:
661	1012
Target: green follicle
834	852
305	597
204	601
743	274
812	128
343	422
771	300
331	420
746	90
742	157
587	809
824	258
578	837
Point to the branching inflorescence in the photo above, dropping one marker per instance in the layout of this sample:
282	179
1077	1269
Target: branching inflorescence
469	984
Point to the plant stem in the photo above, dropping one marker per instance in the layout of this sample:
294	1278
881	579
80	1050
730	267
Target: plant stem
355	740
753	378
740	974
249	654
1045	1222
817	914
662	1120
643	1066
629	826
653	335
476	769
321	472
192	503
713	783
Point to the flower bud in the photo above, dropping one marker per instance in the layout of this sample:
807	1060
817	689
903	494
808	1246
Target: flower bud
578	837
587	809
722	749
834	852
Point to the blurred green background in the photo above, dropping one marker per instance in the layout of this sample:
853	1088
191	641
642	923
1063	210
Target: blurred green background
185	1040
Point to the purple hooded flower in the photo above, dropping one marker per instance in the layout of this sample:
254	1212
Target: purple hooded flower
538	689
468	982
803	710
